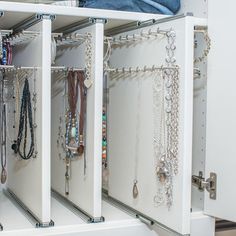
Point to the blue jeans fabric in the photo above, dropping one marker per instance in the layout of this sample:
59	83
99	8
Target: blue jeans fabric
167	7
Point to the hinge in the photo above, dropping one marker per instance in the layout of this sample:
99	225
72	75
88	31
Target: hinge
209	184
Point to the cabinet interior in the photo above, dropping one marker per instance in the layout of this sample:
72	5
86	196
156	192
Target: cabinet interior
136	91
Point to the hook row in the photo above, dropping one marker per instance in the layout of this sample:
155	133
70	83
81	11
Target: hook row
21	37
140	69
132	38
74	38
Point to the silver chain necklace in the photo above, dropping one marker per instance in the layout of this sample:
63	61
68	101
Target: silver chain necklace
166	104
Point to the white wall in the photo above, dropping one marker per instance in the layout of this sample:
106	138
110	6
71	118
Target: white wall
197	7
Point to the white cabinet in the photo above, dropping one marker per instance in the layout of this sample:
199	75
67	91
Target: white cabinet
163	123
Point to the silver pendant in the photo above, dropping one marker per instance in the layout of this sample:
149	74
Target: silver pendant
3	176
135	189
88	83
162	172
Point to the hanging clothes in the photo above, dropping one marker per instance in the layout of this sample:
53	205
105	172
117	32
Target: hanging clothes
167	7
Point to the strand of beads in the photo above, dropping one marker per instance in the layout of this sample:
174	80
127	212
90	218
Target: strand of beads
72	133
104	138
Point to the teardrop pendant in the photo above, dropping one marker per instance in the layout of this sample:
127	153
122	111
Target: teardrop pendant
3	176
135	189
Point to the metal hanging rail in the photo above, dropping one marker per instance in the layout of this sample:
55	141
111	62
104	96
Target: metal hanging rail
34	219
79	25
84	215
141	24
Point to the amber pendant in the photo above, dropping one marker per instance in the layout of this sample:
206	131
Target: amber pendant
135	189
80	149
3	176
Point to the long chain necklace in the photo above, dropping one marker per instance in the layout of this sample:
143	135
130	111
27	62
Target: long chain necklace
34	99
135	190
166	151
25	118
88	82
3	136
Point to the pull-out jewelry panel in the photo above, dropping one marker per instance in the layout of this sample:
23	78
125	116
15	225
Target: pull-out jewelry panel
25	119
150	87
76	119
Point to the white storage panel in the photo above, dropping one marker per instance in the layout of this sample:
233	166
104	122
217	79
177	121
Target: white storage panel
85	182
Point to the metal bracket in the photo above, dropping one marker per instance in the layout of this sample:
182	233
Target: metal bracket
41	16
96	220
209	184
98	20
32	20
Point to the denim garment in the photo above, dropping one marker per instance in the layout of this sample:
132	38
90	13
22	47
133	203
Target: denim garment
167	7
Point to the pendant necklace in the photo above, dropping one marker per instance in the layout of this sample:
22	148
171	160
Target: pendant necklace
25	121
135	190
3	136
72	138
75	137
159	141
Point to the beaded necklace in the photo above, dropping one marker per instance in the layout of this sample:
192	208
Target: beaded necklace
25	118
75	133
3	136
74	137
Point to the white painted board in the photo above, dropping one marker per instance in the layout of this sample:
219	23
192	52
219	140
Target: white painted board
199	120
221	111
130	103
84	190
30	180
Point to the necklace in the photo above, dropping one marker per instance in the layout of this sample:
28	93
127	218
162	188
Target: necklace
105	172
72	123
135	190
166	138
25	118
1	49
74	137
3	136
166	150
34	99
